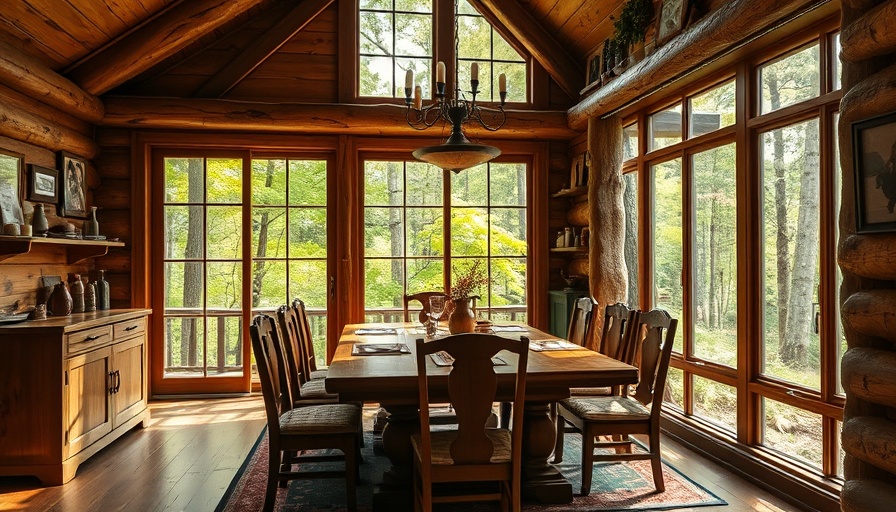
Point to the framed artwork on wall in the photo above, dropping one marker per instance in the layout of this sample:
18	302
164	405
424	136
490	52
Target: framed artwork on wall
43	185
874	157
595	66
10	185
73	186
670	20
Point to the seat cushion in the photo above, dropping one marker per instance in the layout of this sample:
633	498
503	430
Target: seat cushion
318	374
441	445
321	419
316	389
606	408
604	391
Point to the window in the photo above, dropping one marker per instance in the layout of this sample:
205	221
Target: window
665	128
395	36
711	110
630	141
479	42
790	79
668	244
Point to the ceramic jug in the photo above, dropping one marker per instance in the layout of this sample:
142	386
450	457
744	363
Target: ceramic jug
60	303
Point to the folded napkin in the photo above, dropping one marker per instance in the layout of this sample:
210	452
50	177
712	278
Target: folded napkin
370	349
367	331
546	345
508	328
444	359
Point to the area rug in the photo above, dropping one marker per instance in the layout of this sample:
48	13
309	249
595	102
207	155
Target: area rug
616	486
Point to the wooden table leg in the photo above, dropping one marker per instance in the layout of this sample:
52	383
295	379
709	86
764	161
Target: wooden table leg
541	481
396	490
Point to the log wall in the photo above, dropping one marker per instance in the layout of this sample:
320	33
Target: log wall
868	293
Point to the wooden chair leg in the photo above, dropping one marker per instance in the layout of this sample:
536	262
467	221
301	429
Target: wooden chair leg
560	425
270	491
587	460
506	408
656	464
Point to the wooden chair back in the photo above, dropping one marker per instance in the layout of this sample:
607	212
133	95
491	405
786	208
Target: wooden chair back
580	320
472	386
264	345
423	298
615	339
288	324
655	334
306	343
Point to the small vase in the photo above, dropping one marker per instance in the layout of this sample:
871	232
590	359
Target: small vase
102	292
60	303
77	293
462	318
89	297
91	226
39	224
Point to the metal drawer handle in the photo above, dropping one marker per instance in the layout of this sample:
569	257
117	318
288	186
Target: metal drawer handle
94	338
131	328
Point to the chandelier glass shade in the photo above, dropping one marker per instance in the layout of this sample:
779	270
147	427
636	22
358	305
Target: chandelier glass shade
457	152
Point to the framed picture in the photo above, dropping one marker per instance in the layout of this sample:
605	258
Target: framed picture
671	19
575	173
874	155
595	66
73	186
43	186
10	186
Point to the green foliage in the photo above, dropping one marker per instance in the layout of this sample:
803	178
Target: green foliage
631	27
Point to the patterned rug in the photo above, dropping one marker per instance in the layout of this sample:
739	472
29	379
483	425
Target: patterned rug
616	486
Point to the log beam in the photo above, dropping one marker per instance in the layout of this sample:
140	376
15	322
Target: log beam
868	374
872	313
550	54
872	440
28	76
262	48
317	119
871	256
866	495
23	126
868	99
154	41
871	35
731	23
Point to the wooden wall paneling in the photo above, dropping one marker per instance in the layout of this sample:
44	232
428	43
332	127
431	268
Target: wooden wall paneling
41	109
114	162
347	47
26	127
41	25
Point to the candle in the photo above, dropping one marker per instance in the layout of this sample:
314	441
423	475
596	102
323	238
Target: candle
502	83
418	97
474	71
409	79
440	73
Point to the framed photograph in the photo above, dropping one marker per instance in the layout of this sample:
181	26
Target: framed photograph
874	155
595	66
73	186
10	186
670	19
43	186
575	173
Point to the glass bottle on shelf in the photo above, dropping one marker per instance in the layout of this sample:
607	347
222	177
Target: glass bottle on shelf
561	239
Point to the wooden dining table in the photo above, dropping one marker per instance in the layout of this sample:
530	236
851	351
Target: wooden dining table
391	380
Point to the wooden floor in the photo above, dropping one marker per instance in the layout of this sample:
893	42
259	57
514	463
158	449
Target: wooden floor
190	451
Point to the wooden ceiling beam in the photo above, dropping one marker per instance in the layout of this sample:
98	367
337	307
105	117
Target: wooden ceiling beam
19	124
29	76
262	48
154	41
552	56
308	118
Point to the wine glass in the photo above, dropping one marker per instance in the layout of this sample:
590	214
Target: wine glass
436	308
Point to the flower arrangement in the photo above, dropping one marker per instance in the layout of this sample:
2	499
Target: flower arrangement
468	280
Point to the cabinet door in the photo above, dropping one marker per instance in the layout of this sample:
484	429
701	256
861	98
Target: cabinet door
129	398
87	413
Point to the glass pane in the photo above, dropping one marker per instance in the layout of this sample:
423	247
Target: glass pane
842	453
184	342
840	336
508	284
715	402
178	222
665	128
630	141
712	110
508	184
317	320
269	182
383	183
424	231
413	5
790	80
425	274
376	33
485	80
516	81
470	187
184	286
667	251
376	77
476	40
225	282
307	232
424	184
469	231
630	203
383	284
422	75
224	183
383	232
269	232
715	255
790	163
674	393
413	35
464	7
508	232
269	284
308	182
793	432
308	281
224	235
502	49
837	71
184	180
382	5
224	345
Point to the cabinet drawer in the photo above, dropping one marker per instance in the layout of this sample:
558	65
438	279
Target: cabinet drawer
131	327
88	339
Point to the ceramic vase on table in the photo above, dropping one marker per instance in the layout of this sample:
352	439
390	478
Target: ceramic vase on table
462	319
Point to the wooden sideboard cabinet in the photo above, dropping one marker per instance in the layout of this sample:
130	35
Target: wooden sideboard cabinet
69	386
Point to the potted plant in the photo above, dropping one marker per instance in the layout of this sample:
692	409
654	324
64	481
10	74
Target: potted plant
631	27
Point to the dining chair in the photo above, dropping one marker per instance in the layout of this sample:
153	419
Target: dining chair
304	391
294	430
580	321
423	299
309	360
471	452
624	415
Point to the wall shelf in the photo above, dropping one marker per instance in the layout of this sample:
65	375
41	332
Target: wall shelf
569	249
571	192
75	250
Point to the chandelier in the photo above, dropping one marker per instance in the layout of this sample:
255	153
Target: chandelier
457	152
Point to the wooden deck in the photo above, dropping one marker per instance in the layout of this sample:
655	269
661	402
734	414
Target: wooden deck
187	456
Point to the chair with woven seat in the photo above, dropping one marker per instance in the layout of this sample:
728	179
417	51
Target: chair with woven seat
624	415
304	391
294	430
580	321
471	452
309	360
